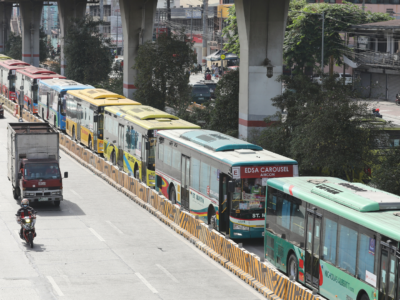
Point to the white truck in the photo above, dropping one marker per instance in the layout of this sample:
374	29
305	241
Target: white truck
33	162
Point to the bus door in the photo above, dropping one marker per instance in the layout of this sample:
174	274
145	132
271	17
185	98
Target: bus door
313	238
185	181
224	203
144	160
388	269
48	105
79	113
121	138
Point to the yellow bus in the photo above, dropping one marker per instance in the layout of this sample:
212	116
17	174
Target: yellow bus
85	115
130	137
4	57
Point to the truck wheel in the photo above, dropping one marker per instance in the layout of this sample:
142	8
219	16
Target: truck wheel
57	203
15	194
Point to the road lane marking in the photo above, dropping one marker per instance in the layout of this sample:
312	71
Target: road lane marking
167	273
115	227
55	286
151	288
97	235
79	196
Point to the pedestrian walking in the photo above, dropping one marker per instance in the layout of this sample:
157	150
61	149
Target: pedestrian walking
216	71
200	68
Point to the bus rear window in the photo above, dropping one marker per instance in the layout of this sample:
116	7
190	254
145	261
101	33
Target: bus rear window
249	194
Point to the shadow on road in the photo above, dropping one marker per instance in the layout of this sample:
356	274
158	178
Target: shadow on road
66	208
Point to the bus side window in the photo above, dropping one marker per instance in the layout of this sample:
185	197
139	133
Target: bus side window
366	255
347	254
195	175
329	240
160	152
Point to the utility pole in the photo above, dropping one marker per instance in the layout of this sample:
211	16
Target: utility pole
117	28
191	26
168	17
363	5
205	29
322	49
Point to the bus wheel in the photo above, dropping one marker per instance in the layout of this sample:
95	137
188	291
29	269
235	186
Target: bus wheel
42	113
73	133
90	144
364	297
292	269
212	218
136	173
113	160
172	195
55	122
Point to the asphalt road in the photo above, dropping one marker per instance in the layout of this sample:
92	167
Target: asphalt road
100	245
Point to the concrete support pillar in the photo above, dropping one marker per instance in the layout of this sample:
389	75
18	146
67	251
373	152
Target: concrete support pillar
137	25
261	25
5	15
67	11
30	16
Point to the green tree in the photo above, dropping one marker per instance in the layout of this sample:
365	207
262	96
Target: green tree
13	47
221	115
87	52
225	114
231	32
162	78
386	174
323	130
115	82
43	51
303	38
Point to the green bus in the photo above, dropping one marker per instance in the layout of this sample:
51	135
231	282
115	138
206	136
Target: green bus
338	238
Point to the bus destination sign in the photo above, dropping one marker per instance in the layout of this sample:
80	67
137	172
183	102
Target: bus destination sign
262	171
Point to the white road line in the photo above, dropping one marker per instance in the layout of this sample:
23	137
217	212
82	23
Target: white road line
151	288
97	235
115	227
55	286
167	273
79	196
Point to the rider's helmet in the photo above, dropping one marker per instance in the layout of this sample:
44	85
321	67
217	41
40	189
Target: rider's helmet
25	203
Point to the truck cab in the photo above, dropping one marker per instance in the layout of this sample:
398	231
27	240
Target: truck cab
40	180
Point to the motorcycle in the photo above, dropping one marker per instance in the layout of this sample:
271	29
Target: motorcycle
28	227
397	99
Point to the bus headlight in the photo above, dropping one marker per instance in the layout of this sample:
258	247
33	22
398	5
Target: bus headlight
240	227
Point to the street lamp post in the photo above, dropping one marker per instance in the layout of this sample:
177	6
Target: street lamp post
322	48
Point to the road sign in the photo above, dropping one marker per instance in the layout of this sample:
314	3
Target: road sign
223	56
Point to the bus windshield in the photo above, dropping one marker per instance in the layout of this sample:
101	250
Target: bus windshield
152	154
63	106
249	194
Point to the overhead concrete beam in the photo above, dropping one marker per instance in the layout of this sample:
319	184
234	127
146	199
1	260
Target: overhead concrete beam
30	15
261	26
68	10
137	25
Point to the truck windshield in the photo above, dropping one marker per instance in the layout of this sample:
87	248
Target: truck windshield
41	171
249	194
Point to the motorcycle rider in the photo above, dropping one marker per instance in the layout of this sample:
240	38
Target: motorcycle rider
25	210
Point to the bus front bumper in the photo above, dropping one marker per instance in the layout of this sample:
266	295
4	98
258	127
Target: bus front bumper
252	232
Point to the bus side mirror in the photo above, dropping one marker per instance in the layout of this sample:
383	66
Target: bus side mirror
231	186
65	174
95	118
19	175
147	145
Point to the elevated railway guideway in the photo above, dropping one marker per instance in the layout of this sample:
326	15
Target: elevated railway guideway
99	243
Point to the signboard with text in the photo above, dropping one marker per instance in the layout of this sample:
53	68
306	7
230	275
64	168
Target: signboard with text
262	171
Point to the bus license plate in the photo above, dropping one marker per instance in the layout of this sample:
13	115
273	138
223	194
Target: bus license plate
201	98
43	199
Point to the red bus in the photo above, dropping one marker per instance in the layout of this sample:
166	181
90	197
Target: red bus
8	69
27	82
